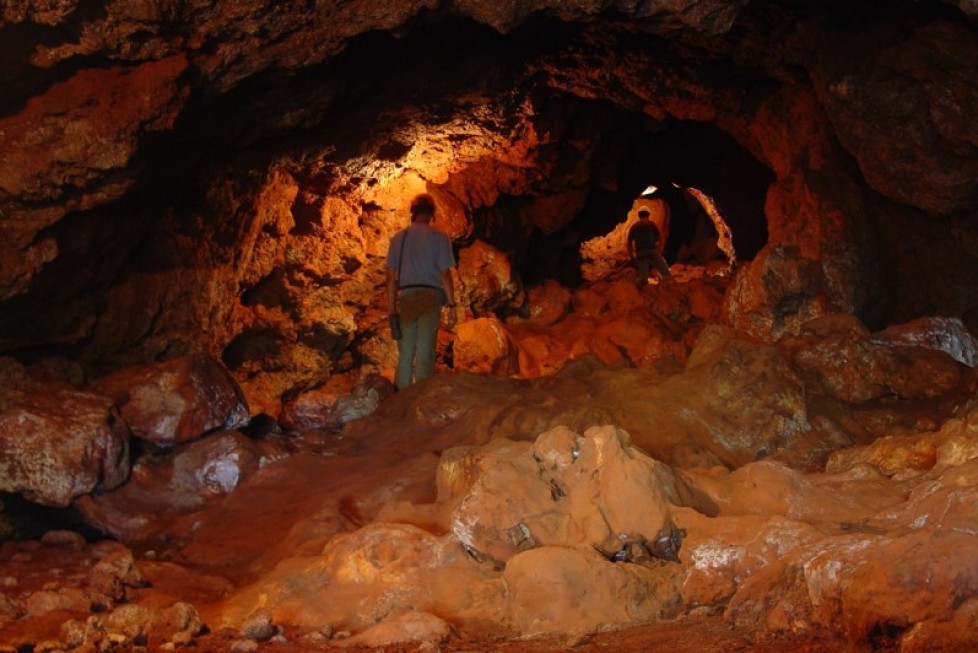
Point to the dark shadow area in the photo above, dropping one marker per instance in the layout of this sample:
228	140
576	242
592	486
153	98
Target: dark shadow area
705	157
20	41
633	152
25	520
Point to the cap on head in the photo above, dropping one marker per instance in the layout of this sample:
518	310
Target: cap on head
643	213
423	204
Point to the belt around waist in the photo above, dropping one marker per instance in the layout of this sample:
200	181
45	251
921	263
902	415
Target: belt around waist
417	286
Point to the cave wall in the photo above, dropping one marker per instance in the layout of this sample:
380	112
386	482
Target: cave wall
180	178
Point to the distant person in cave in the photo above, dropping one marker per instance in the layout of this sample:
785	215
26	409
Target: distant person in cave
643	247
419	285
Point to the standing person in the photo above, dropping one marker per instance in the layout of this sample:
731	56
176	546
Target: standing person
419	283
643	247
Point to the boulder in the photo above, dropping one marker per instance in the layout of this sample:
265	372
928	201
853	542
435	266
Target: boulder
134	625
484	346
548	303
954	443
574	502
593	491
177	400
639	337
574	591
737	399
949	335
705	301
855	368
861	585
843	553
58	443
776	293
486	279
63	599
410	627
622	295
589	302
365	576
332	406
171	483
540	354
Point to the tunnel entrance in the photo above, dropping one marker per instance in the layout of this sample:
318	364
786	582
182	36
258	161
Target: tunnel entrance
681	158
691	227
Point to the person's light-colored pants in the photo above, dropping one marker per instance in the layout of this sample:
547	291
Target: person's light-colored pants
416	348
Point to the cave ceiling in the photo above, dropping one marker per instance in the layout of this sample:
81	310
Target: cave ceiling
174	168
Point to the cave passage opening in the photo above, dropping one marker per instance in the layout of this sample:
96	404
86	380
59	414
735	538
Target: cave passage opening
692	164
693	230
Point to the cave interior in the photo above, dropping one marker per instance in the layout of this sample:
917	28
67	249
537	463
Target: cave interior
196	203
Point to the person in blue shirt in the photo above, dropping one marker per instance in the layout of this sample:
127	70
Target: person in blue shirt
419	284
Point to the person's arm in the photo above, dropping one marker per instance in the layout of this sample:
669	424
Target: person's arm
449	289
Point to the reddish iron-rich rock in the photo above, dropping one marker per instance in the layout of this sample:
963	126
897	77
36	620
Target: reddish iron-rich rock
891	455
60	147
904	456
78	579
809	498
9	608
484	346
578	491
501	167
335	404
934	177
589	302
311	409
604	255
640	338
550	493
116	572
760	397
137	625
575	591
834	325
486	279
166	485
913	360
403	628
852	583
175	401
64	599
57	443
705	301
387	567
856	370
621	295
778	292
544	351
954	634
548	303
775	547
949	335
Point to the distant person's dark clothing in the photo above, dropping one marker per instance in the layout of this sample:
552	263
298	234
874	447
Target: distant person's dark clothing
643	248
643	236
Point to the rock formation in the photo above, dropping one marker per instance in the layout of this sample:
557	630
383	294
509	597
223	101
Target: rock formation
230	190
195	203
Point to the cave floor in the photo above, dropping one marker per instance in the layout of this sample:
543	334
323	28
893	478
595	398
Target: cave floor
701	634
